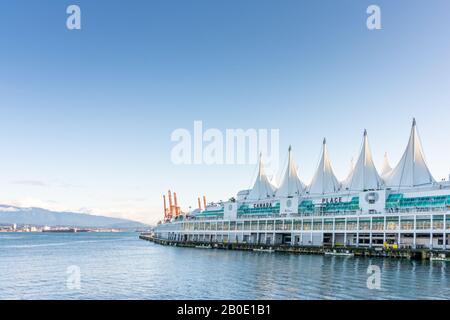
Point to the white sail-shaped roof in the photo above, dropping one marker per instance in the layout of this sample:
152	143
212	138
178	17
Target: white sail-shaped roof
262	189
324	180
387	169
290	185
364	176
350	174
412	170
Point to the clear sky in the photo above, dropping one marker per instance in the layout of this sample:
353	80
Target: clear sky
86	115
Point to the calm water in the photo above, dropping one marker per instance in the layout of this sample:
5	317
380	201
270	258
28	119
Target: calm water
120	266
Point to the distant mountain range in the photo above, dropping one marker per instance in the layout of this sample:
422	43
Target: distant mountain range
43	217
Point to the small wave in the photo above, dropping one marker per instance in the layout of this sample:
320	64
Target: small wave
10	238
24	246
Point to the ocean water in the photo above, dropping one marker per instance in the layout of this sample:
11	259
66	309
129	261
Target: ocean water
120	266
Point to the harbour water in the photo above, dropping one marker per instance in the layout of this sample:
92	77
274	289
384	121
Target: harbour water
120	266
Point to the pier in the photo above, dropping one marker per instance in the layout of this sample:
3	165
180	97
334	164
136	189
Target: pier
415	254
401	213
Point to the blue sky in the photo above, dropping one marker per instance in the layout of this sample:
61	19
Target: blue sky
87	114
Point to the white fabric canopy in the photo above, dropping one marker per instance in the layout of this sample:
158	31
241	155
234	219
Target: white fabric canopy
412	170
364	176
324	180
262	188
387	169
350	174
291	184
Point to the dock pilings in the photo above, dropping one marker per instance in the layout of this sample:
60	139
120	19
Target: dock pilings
406	253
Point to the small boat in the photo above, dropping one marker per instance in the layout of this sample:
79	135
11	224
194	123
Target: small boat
204	247
270	250
339	253
440	257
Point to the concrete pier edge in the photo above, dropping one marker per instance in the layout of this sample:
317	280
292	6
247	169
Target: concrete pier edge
417	254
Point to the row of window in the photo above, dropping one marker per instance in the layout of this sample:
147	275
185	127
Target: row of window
394	203
388	223
397	201
307	207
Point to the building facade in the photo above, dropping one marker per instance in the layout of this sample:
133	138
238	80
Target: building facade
403	207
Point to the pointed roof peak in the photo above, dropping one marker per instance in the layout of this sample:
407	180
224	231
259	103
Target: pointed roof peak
291	184
290	148
364	176
324	180
262	188
412	170
324	141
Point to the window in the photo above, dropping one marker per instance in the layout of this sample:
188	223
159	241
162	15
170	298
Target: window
438	222
317	225
307	225
287	224
340	224
262	225
377	223
423	223
279	225
407	224
352	224
364	224
328	224
392	223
